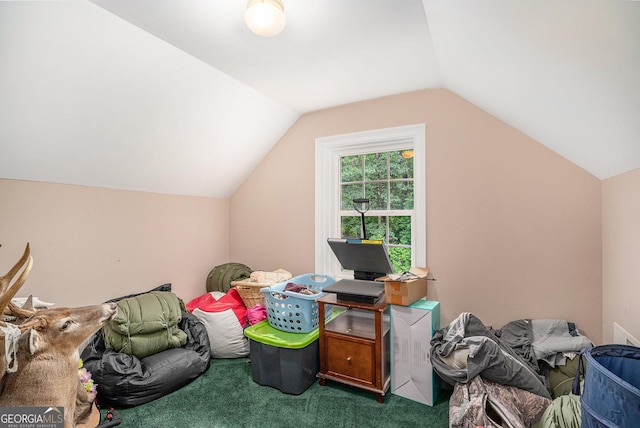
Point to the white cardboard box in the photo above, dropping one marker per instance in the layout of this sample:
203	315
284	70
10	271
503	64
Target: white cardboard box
412	328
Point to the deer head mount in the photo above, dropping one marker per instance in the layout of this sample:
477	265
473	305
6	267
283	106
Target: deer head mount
41	368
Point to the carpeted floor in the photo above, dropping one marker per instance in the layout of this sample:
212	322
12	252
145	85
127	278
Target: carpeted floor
226	396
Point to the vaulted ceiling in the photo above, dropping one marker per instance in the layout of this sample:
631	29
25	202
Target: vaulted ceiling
178	96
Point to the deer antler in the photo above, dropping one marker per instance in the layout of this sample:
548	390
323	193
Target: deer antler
7	291
17	312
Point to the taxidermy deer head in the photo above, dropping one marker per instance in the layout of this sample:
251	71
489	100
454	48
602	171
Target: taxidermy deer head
41	366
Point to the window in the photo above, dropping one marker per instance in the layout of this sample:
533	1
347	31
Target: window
376	165
385	179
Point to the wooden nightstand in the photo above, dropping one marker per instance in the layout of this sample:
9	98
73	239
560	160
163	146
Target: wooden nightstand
354	345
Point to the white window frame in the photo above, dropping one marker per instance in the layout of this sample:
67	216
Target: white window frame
328	152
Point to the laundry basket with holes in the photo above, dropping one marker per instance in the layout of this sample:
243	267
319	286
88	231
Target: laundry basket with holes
293	311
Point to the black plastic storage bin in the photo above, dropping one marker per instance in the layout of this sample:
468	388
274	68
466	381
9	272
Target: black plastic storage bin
283	360
611	396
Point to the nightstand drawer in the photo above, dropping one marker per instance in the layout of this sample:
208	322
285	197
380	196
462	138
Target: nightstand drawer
351	358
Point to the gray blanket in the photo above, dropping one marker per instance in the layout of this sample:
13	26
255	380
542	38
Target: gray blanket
552	339
467	348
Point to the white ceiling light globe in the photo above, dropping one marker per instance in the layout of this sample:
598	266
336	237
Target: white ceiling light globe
265	17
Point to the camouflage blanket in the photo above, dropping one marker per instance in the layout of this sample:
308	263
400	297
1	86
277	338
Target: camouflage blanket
484	403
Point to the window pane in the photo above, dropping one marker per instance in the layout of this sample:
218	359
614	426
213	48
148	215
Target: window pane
376	227
400	259
401	164
386	179
400	230
377	195
351	227
375	166
349	193
401	197
351	168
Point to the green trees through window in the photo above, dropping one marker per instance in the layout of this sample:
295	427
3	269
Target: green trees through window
387	180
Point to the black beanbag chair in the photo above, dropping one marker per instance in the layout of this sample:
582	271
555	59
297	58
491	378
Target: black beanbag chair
124	380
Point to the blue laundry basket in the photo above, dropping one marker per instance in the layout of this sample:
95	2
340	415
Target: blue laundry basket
611	395
295	312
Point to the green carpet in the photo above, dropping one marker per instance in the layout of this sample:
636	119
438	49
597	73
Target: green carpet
226	396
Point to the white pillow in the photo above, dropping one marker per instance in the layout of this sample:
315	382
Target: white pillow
226	335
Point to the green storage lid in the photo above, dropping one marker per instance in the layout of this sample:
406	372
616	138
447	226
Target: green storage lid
263	332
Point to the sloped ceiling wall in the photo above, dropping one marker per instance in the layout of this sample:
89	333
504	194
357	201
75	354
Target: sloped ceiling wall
90	99
567	73
180	97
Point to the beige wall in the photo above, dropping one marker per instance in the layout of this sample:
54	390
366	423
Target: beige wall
621	250
513	229
91	244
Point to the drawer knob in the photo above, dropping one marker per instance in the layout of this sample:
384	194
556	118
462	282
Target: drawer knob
349	360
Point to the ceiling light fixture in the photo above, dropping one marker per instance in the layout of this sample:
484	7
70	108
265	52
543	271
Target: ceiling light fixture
265	17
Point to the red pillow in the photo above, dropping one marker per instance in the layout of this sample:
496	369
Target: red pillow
231	300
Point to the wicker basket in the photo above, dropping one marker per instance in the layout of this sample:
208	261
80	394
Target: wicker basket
249	289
